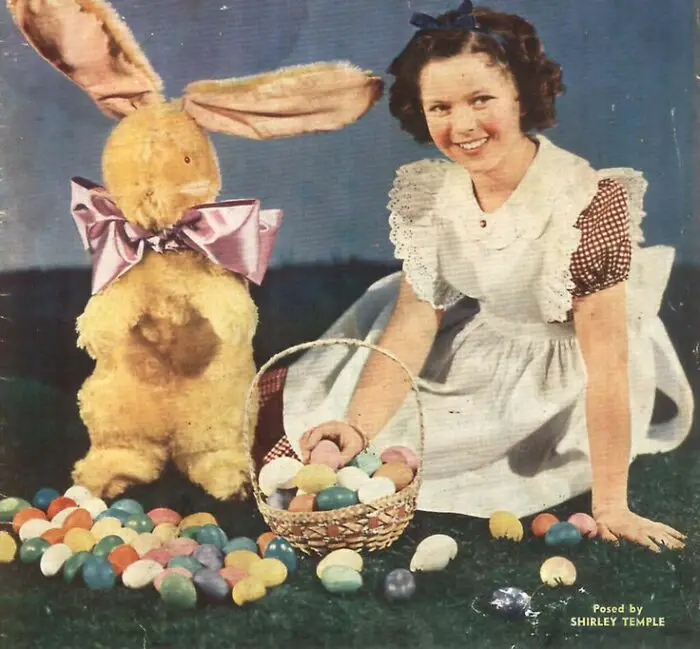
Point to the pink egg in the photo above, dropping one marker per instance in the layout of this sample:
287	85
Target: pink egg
164	515
181	547
233	574
400	454
584	524
177	570
326	452
160	555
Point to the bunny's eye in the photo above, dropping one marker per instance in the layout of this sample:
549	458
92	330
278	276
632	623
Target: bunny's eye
188	159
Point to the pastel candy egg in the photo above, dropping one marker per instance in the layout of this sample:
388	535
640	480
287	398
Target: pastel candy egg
165	532
105	527
105	545
280	498
375	488
241	559
542	522
10	506
240	543
281	549
78	493
73	565
177	570
60	518
247	590
302	503
584	523
128	505
211	584
34	527
504	525
122	557
367	460
53	559
43	497
278	474
188	563
434	553
398	472
140	523
31	550
127	535
57	504
181	546
351	477
210	556
26	514
233	575
78	518
326	452
399	584
400	454
141	573
313	478
54	535
264	539
97	573
212	535
159	555
120	514
558	570
145	542
8	548
197	520
79	539
562	534
190	532
343	557
178	591
341	579
160	515
95	506
336	498
272	572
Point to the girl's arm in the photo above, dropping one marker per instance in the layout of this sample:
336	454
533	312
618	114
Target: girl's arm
601	327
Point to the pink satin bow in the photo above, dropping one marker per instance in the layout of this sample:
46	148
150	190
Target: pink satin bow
235	234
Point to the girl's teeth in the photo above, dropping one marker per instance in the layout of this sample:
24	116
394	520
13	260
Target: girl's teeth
473	145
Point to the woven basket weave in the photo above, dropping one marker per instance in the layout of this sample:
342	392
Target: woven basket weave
371	526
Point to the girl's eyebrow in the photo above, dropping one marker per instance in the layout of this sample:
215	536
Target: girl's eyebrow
470	95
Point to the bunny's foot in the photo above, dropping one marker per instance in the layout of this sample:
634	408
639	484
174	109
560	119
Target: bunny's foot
108	472
222	473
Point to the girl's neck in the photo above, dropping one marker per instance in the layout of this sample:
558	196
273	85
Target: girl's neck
494	187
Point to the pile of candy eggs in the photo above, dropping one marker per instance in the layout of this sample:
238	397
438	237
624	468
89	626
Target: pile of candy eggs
321	485
187	559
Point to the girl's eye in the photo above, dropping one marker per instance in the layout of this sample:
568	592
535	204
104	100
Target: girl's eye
187	159
438	108
482	99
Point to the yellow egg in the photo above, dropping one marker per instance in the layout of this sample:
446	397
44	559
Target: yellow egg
197	520
8	548
556	571
105	527
312	478
270	571
165	532
506	525
127	535
249	589
343	557
79	540
145	542
241	559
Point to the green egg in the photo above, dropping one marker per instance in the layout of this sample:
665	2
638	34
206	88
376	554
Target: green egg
190	532
188	563
139	523
178	591
341	579
335	498
367	460
211	535
72	567
10	506
32	549
128	505
106	545
562	534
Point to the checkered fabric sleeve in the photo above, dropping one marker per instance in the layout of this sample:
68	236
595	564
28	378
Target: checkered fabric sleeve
604	254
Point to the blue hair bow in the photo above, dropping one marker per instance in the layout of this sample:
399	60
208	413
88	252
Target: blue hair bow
463	19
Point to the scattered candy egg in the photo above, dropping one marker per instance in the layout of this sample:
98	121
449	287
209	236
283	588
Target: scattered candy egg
375	488
558	570
189	563
341	579
212	535
343	557
398	472
400	454
42	498
105	527
145	542
181	546
326	452
584	523
280	498
95	506
313	478
271	571
34	527
53	559
335	498
233	574
165	532
79	539
564	534
211	584
119	514
31	550
240	543
158	579
121	558
78	493
105	545
278	474
368	461
10	506
8	548
510	602
399	585
127	535
128	505
263	540
302	503
141	573
73	565
191	532
54	535
210	556
542	522
504	525
279	548
161	515
78	518
247	590
140	523
57	504
178	591
433	553
241	559
351	477
60	518
97	573
197	520
159	555
26	514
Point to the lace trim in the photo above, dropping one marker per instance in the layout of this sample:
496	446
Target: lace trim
414	232
635	185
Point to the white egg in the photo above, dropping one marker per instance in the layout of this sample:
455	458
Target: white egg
278	474
35	527
53	559
433	553
94	505
127	535
141	573
376	488
60	518
351	477
343	557
78	494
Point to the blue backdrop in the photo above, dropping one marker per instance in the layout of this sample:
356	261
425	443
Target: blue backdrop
627	64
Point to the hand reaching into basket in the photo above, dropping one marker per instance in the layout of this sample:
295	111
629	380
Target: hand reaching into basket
349	439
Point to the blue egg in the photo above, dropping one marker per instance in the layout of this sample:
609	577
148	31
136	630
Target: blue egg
211	534
562	534
240	543
120	514
128	505
510	602
209	556
43	498
98	573
280	549
399	584
367	460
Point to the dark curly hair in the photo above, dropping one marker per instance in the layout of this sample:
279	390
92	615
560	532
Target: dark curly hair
516	48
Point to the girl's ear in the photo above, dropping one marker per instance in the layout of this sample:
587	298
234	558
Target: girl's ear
291	101
88	42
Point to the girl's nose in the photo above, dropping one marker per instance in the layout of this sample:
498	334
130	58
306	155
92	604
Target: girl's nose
464	119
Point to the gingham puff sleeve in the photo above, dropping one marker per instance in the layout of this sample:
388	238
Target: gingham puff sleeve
604	254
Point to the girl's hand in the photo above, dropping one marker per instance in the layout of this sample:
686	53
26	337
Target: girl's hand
349	440
614	524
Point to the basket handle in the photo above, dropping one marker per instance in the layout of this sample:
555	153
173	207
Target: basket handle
327	342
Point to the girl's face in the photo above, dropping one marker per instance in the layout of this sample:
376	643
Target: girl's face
472	110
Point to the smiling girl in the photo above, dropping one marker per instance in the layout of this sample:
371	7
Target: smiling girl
546	390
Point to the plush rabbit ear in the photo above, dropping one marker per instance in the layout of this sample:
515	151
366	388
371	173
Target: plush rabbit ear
88	42
291	101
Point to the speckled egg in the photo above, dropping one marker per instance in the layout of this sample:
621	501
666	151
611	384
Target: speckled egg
159	555
313	478
367	460
141	573
10	506
178	591
165	532
351	477
398	472
247	590
375	488
341	579
562	534
189	563
557	571
326	452
278	474
336	498
343	557
542	522
504	525
8	548
181	546
272	572
584	523
53	559
145	542
400	454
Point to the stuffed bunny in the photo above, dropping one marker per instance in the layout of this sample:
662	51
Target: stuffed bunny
170	322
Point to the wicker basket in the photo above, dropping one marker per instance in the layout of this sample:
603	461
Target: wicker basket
371	526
